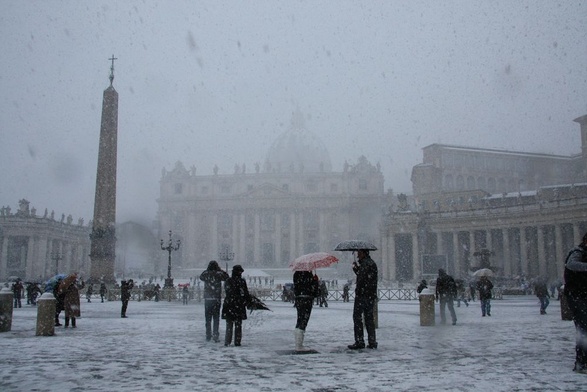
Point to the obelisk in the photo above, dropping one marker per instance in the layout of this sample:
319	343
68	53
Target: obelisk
103	236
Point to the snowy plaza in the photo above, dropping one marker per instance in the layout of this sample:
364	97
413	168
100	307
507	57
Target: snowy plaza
162	346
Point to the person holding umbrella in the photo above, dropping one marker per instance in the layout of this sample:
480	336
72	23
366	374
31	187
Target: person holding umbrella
305	290
365	298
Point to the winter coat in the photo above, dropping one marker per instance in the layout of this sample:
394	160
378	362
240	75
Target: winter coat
17	289
102	289
71	302
484	287
576	273
541	290
236	300
366	271
445	286
304	285
213	278
125	288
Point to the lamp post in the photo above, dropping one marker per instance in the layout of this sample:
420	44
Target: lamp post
169	248
56	256
226	256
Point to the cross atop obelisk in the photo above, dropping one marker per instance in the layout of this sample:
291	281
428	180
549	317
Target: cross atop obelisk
112	69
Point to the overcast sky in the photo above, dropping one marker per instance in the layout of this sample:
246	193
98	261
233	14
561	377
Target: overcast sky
214	82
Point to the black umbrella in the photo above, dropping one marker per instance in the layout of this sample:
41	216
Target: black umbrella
354	245
256	304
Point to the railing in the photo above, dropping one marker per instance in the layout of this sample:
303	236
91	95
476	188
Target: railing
266	294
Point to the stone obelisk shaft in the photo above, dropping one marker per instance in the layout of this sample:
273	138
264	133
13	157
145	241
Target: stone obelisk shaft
103	247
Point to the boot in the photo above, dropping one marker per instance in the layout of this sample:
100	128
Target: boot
299	337
66	322
73	322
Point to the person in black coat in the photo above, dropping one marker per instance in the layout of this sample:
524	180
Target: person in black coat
305	290
213	278
576	294
365	299
125	288
234	310
423	285
446	291
484	287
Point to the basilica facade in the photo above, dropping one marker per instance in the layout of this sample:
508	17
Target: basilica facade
292	204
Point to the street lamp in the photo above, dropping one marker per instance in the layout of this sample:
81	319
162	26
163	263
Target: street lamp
226	256
169	248
56	256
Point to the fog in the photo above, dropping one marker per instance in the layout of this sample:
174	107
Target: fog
214	82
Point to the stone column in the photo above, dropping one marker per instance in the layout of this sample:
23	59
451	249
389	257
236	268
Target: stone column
560	252
507	267
257	238
242	238
300	250
322	230
384	273
523	251
234	240
415	257
4	259
440	244
457	253
214	236
541	256
392	262
31	258
278	262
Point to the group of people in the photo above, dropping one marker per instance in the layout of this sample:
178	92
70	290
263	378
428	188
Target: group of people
306	290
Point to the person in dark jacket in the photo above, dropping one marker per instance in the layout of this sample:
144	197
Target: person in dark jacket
234	310
71	301
213	278
446	291
17	289
59	301
125	288
365	299
305	290
102	291
423	285
484	287
576	294
541	291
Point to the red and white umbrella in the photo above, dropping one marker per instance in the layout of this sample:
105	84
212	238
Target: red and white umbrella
313	261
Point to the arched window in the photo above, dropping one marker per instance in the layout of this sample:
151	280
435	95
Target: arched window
481	183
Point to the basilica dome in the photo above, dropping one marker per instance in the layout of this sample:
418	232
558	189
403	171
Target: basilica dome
298	150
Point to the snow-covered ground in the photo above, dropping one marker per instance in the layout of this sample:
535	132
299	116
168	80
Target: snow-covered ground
161	346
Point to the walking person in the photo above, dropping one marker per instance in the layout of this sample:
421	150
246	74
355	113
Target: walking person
185	294
365	298
345	293
484	287
323	294
90	292
305	290
575	292
541	292
213	278
17	289
234	310
102	291
446	292
125	289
